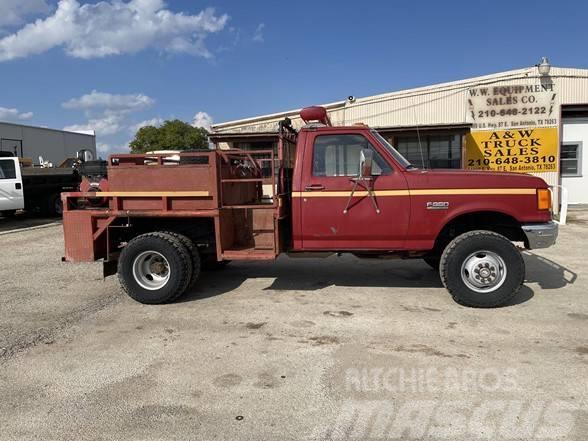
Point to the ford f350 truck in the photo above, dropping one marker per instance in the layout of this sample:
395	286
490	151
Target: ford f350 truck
323	190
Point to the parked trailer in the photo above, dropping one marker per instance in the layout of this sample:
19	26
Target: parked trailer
324	190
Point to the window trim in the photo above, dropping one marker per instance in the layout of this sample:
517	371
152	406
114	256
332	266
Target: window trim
578	159
13	169
426	139
18	153
367	139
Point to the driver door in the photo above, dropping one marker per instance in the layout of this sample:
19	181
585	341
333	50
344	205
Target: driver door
11	192
331	160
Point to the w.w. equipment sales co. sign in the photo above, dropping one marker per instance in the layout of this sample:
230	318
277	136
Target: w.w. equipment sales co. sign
514	128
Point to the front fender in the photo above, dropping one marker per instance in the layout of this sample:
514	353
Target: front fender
427	219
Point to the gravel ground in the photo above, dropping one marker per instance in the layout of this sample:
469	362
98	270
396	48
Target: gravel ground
335	348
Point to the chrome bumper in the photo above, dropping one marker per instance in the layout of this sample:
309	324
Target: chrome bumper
540	235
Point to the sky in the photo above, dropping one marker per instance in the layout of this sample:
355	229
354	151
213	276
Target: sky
114	66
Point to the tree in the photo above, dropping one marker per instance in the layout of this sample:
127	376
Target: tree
172	135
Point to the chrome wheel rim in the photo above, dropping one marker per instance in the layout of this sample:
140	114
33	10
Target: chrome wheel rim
151	270
483	271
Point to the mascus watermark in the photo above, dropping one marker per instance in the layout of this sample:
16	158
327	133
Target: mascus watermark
449	419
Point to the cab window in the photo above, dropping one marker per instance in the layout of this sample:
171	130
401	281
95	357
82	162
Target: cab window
7	169
338	155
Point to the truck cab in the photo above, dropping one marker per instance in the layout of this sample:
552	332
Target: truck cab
324	190
393	205
11	190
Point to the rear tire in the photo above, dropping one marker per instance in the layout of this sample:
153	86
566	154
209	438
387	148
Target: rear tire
53	206
154	268
482	269
194	255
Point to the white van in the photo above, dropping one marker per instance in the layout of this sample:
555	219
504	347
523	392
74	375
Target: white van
11	191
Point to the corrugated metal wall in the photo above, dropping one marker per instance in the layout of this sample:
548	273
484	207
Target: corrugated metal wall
52	145
438	104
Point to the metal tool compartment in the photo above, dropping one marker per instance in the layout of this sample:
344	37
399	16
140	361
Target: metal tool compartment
152	182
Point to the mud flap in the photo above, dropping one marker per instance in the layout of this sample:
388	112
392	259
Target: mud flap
109	268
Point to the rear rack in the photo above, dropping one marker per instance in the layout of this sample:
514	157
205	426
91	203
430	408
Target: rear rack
248	167
245	193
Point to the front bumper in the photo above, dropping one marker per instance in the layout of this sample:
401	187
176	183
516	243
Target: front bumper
540	235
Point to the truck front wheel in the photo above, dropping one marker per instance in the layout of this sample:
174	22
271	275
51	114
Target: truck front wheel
482	269
154	268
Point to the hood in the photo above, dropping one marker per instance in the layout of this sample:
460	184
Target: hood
457	178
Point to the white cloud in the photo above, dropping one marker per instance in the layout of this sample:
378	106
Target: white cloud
14	115
258	34
104	149
202	119
114	27
101	100
106	112
14	12
156	122
108	124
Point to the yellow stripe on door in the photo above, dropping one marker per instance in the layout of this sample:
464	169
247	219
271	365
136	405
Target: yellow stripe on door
429	192
151	194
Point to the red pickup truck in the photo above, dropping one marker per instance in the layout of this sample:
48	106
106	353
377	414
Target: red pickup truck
323	190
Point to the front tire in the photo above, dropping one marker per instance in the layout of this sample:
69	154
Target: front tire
482	269
154	268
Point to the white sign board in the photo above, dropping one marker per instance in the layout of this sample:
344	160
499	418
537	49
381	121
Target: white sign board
494	107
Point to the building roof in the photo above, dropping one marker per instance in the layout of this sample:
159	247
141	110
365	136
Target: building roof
437	104
10	123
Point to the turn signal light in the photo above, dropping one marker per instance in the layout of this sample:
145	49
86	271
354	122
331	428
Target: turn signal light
543	199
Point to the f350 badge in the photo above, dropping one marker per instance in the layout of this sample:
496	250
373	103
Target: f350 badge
437	205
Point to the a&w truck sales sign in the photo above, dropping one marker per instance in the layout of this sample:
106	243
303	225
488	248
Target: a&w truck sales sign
514	128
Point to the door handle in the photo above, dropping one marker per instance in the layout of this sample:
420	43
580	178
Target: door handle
314	187
18	185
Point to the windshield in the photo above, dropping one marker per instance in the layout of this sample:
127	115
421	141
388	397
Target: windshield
399	158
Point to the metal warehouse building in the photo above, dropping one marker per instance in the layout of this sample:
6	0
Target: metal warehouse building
532	120
53	145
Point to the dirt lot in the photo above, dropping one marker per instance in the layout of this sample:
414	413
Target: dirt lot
301	349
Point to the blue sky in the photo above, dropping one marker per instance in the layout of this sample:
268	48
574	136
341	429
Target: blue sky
114	64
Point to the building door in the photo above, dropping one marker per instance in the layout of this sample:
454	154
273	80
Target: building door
13	146
330	220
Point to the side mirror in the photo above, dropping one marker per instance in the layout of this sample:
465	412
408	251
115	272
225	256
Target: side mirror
365	163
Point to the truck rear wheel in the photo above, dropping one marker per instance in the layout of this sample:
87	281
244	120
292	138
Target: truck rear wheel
52	206
194	255
154	268
482	269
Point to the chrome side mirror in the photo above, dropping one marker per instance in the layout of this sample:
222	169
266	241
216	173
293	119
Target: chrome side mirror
365	163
